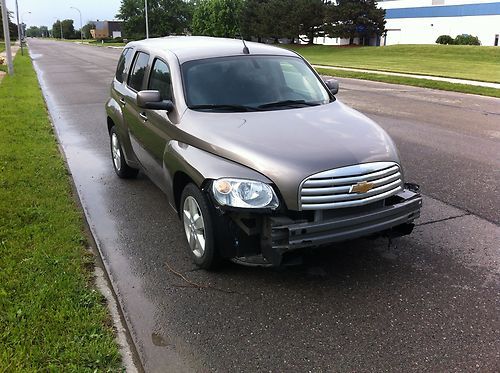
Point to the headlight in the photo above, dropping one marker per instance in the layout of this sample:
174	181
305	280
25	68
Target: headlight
244	193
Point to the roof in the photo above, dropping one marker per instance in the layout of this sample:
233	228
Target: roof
188	48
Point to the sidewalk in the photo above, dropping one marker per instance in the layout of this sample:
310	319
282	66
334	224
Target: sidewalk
428	77
14	47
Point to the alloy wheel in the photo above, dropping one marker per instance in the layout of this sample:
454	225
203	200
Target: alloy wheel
194	226
116	152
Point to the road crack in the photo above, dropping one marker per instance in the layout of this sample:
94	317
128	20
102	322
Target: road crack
444	219
191	284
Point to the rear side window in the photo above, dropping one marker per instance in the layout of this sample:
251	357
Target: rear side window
123	63
138	71
160	80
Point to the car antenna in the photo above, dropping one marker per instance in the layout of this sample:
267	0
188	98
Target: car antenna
245	48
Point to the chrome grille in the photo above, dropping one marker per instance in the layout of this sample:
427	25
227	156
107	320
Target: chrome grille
332	189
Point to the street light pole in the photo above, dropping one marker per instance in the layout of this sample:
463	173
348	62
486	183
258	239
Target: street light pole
147	22
22	23
6	35
81	25
20	37
60	28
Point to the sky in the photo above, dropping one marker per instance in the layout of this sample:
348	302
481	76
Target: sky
46	12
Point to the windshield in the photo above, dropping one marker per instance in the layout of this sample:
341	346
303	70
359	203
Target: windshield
248	83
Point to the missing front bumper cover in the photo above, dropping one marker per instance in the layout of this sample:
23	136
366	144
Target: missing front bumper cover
283	234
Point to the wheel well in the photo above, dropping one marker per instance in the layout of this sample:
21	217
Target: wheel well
110	124
180	181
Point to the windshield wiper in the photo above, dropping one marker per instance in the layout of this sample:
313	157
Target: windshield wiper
287	103
224	107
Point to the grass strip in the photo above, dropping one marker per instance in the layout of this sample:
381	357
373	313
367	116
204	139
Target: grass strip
450	61
51	316
106	43
93	42
416	82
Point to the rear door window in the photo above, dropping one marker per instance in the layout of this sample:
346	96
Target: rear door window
159	79
123	64
136	76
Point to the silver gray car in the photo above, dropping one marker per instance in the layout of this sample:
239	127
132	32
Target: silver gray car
253	150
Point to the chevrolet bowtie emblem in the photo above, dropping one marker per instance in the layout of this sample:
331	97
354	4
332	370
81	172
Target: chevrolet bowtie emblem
361	187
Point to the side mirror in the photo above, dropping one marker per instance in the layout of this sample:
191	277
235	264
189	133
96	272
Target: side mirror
333	86
152	100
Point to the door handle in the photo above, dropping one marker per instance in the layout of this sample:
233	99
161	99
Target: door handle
122	101
143	116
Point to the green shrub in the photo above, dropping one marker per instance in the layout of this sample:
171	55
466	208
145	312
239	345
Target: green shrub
466	39
445	39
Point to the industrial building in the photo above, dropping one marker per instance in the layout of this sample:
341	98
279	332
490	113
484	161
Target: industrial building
107	29
422	21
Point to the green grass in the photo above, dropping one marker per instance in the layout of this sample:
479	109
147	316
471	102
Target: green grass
454	61
51	316
425	83
106	43
93	42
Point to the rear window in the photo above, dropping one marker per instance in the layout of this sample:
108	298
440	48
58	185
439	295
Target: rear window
136	77
123	63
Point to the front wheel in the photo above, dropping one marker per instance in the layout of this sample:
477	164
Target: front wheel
198	227
121	167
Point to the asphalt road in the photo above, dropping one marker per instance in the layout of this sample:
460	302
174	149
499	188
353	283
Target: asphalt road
430	302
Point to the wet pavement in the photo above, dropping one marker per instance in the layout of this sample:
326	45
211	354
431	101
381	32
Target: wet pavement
428	302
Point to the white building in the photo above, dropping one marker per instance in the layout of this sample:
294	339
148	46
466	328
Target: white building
422	21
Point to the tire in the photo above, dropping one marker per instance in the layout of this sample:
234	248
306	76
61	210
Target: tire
198	226
120	165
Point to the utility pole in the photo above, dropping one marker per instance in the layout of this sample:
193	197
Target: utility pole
19	35
6	35
147	22
60	28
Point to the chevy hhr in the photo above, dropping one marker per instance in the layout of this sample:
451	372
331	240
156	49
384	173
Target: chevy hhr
252	149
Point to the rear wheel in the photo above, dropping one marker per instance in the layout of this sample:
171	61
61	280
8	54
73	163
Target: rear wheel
121	167
198	226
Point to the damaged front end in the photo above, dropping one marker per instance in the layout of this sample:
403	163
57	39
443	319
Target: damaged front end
276	234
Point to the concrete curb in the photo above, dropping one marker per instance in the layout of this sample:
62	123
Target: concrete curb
416	76
102	281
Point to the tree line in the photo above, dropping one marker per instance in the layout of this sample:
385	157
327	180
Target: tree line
12	26
262	20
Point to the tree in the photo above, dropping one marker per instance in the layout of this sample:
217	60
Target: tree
45	31
252	21
166	17
68	30
311	18
217	18
12	26
33	32
355	18
86	30
283	18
